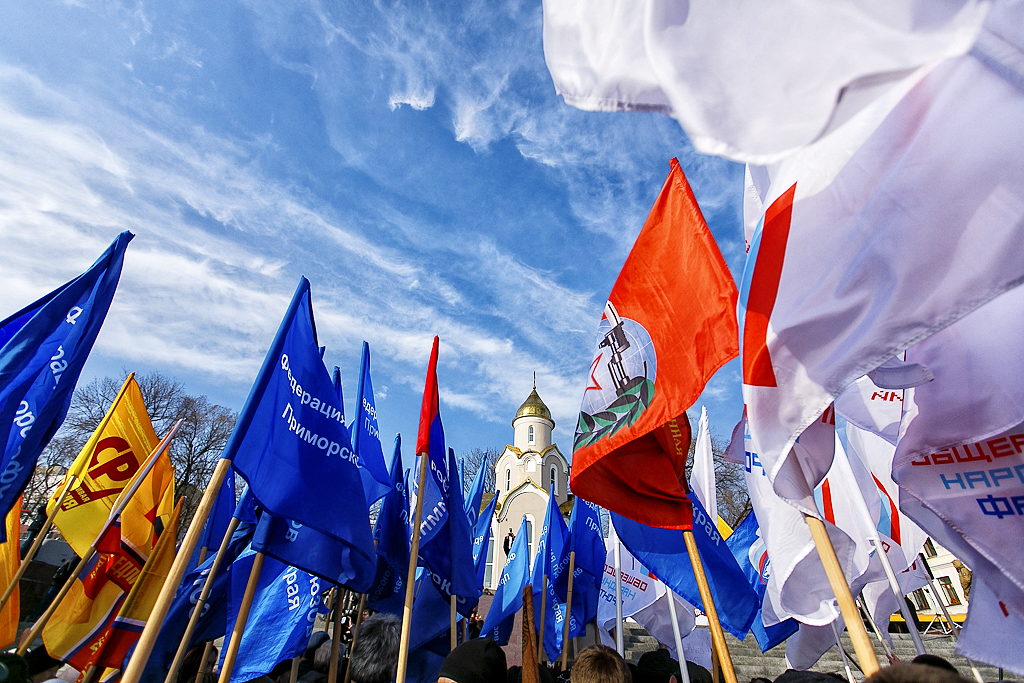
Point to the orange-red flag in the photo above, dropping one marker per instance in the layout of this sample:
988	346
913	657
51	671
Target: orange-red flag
668	326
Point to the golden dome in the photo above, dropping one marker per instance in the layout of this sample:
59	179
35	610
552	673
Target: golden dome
534	407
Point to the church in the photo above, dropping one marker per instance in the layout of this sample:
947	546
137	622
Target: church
525	473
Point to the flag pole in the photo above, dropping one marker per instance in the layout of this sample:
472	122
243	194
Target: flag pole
620	646
854	624
293	677
842	653
340	596
72	482
231	652
453	629
197	611
531	674
355	637
717	634
874	628
680	654
114	515
543	612
568	612
403	647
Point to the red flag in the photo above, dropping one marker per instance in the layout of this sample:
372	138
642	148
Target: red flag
668	326
429	413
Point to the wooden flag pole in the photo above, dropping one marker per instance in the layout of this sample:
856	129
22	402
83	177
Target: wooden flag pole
568	612
115	514
204	595
847	607
137	664
414	550
717	634
231	652
531	674
543	612
340	597
34	548
202	664
454	618
355	637
293	677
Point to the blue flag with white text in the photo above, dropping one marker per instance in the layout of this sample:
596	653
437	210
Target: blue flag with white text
281	618
476	494
481	536
752	556
291	445
43	348
366	437
387	594
663	552
587	541
508	597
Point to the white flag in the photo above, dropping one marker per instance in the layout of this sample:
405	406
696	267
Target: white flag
658	621
991	633
702	476
842	275
960	457
747	80
805	647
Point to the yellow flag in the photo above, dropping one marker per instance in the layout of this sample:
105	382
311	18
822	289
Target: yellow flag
10	557
135	611
111	457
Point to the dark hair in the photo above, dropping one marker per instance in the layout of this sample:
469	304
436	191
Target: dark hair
916	673
599	664
375	654
936	661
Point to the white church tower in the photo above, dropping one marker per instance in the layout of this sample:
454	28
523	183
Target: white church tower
524	474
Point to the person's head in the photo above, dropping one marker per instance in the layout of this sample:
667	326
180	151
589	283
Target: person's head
322	658
936	661
375	655
479	660
190	665
599	664
657	666
315	641
697	673
916	673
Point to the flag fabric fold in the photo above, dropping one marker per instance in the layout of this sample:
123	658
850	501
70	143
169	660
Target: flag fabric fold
387	594
668	326
430	440
366	435
291	445
43	348
586	540
508	597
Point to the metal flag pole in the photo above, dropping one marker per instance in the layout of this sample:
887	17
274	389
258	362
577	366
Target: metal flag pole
842	653
874	628
620	646
680	654
114	515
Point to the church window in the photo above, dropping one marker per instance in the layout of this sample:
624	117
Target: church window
529	538
508	480
529	434
554	480
489	554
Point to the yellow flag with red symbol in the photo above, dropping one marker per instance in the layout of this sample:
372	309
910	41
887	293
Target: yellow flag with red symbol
10	558
108	461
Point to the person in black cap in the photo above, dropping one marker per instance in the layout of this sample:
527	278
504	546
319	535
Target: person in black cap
475	661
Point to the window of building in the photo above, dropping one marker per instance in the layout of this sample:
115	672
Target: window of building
489	563
554	479
529	434
529	540
920	599
508	481
929	549
947	587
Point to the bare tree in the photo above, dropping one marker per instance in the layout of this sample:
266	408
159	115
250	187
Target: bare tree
476	458
194	451
730	481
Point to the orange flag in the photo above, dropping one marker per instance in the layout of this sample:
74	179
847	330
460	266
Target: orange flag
668	326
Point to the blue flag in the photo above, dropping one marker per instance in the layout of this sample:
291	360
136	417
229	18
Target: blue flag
431	611
663	552
480	537
366	437
281	619
508	598
43	348
217	523
387	594
749	550
550	553
476	494
291	445
430	440
587	541
213	621
336	380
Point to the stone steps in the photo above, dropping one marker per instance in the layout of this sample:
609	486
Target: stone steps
750	662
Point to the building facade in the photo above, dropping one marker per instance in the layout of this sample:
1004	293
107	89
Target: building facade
525	473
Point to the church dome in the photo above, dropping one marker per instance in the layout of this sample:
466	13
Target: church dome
533	406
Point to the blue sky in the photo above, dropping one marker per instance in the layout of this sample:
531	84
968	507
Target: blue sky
413	161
